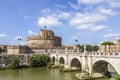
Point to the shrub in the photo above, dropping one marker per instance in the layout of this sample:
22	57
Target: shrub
15	63
49	65
117	77
39	60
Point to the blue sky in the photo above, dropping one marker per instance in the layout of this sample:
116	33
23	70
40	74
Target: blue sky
88	21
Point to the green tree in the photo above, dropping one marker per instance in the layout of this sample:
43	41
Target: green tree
39	60
95	48
32	62
107	43
15	63
89	48
4	49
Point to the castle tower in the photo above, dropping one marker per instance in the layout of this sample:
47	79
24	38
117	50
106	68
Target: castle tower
46	38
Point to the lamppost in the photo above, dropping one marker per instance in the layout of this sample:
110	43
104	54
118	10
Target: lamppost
19	39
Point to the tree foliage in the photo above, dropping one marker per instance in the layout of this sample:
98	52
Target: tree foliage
107	43
89	48
95	48
117	77
3	49
15	63
39	60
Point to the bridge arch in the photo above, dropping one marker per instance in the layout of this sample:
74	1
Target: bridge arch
75	63
62	60
102	64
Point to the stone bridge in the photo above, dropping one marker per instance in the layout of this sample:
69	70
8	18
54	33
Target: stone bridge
88	61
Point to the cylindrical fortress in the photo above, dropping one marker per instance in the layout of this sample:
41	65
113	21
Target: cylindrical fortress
45	38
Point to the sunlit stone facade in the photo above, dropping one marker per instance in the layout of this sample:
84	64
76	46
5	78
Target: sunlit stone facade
110	48
46	38
15	49
44	43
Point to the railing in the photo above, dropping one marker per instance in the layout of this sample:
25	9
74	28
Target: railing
109	54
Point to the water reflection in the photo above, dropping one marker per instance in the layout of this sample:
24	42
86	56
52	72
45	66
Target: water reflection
37	74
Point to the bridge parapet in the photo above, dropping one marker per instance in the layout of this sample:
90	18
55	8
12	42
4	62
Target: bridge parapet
110	54
107	54
75	53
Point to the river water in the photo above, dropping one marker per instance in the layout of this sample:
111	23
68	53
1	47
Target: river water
37	74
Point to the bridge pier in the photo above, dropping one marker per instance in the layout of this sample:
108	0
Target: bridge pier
56	62
67	66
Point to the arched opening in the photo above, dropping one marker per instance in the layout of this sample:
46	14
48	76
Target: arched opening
53	60
61	60
103	68
75	64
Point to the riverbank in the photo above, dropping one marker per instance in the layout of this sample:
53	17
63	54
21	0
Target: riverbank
8	68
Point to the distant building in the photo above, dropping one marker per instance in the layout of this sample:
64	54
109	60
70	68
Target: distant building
44	43
16	49
110	48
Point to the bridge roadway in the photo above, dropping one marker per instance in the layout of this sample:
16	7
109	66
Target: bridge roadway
88	60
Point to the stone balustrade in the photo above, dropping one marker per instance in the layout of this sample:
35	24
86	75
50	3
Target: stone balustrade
110	54
107	54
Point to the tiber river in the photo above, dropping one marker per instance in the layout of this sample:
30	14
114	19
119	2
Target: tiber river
37	74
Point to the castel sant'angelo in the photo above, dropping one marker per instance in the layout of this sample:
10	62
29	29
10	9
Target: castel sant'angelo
46	38
45	42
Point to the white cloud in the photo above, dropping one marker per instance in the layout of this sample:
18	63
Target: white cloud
107	11
27	17
111	35
31	32
3	35
80	18
91	1
87	21
85	26
60	6
114	3
49	21
100	27
64	15
74	6
46	11
92	27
